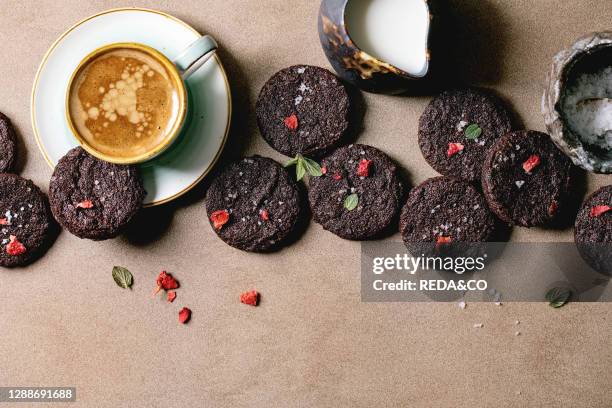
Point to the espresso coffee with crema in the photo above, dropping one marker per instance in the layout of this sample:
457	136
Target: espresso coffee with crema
123	103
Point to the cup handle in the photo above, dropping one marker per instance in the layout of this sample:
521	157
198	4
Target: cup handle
194	56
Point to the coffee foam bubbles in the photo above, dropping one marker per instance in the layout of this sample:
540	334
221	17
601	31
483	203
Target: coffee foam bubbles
126	92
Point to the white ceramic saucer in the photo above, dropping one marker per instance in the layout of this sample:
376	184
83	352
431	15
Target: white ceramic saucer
198	147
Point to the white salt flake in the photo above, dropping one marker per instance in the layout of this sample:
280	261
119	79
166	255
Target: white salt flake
303	88
298	99
461	304
519	183
517	322
461	125
518	333
301	70
478	325
477	206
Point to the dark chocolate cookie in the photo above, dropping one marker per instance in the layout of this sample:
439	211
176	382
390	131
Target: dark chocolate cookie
24	220
303	109
526	179
8	144
359	194
458	127
446	210
253	204
92	198
593	230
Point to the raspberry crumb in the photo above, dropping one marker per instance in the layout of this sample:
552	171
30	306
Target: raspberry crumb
15	247
165	281
599	210
250	298
363	170
552	208
337	176
264	215
324	170
219	218
454	148
171	296
443	240
4	221
291	122
531	163
184	315
84	204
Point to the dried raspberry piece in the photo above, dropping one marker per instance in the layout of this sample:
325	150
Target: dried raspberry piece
171	296
84	204
4	221
264	215
531	163
250	298
291	122
15	247
552	208
599	210
441	240
165	281
363	170
324	170
454	148
184	315
219	218
337	176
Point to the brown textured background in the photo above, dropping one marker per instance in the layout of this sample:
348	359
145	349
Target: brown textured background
311	342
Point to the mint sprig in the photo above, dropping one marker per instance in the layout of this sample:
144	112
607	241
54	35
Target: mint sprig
123	278
473	131
351	201
557	297
304	165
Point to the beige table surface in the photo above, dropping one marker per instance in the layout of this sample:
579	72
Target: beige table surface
311	343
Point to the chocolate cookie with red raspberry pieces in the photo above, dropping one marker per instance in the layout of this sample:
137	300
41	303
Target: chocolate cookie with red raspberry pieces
359	194
303	109
92	198
8	144
526	179
458	127
445	211
253	205
24	221
593	230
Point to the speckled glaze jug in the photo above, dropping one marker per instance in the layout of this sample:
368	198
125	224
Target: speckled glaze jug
357	66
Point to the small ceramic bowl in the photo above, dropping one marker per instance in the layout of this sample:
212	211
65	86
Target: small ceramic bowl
589	54
357	66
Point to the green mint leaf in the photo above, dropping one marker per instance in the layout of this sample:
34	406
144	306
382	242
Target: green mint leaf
473	131
557	297
300	170
123	278
292	162
312	167
350	202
